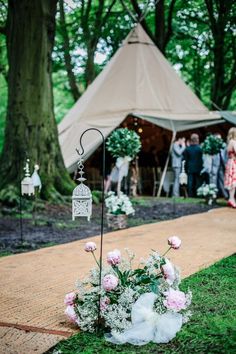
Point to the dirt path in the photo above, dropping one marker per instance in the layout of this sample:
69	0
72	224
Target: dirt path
33	284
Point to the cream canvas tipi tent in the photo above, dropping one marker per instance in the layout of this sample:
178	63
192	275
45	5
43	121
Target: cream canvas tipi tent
138	80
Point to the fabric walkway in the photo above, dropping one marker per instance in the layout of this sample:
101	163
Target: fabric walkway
33	284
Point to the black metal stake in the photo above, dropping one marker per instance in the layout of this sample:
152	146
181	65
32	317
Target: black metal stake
21	220
102	212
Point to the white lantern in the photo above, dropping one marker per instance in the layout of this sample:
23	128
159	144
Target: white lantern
27	186
183	177
82	197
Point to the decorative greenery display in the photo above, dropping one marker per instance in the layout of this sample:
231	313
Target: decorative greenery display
124	142
212	145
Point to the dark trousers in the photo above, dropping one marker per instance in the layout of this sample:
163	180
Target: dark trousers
194	182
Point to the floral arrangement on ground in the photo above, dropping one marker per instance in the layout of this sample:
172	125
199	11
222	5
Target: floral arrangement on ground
135	306
208	191
118	204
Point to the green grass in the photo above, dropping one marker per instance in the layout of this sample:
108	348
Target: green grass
5	253
210	330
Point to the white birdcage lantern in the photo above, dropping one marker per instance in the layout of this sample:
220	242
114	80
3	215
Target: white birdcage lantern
27	186
183	177
82	197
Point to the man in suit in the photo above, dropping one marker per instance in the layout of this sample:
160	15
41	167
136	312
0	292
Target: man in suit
193	158
176	158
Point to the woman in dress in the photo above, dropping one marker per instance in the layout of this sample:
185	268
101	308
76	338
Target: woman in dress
230	170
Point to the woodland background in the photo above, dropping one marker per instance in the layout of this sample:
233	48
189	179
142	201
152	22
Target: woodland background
197	36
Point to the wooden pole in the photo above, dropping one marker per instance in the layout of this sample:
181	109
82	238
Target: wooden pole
166	165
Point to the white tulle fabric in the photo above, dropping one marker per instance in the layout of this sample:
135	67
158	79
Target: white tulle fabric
147	325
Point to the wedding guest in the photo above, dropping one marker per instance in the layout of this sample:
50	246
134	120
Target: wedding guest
218	170
230	169
193	158
176	159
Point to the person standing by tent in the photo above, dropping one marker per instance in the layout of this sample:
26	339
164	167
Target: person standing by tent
218	169
176	158
230	170
193	158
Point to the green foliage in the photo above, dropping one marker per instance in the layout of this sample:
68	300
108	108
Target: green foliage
10	196
97	197
210	330
212	145
124	142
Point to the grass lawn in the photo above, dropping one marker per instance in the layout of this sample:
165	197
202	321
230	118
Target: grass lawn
210	330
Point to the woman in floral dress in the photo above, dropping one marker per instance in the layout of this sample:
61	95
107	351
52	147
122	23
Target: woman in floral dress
230	170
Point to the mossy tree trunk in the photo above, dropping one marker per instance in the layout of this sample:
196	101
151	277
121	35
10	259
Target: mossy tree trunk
31	129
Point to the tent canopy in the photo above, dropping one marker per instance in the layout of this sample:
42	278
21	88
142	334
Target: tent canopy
140	81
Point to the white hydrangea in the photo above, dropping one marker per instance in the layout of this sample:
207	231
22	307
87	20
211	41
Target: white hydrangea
119	204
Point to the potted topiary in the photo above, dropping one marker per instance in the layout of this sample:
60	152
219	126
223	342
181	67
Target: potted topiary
124	145
118	209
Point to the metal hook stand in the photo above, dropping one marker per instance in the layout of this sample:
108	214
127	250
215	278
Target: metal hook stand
102	212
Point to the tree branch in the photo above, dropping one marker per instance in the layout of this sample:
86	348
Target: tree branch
169	23
3	30
67	57
143	22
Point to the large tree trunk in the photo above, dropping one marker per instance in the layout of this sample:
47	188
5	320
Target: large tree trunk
30	126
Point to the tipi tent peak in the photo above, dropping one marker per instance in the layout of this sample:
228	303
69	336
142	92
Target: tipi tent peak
138	80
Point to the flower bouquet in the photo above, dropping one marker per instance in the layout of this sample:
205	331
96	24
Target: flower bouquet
134	306
118	208
209	192
212	145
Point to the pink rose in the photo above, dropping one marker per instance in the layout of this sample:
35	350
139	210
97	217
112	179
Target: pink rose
174	242
175	300
110	282
104	303
70	313
114	257
90	247
168	271
70	298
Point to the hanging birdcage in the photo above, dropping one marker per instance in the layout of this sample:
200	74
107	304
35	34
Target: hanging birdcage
183	177
82	197
27	186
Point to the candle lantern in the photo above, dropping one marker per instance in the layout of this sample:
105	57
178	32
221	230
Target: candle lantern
183	177
27	186
82	196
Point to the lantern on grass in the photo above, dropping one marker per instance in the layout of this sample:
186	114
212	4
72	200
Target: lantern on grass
27	186
82	196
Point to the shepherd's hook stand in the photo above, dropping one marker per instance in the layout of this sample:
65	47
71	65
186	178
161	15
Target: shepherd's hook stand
102	213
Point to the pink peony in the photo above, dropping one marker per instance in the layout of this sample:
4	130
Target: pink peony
175	300
114	257
90	247
70	298
174	242
168	271
103	303
110	282
70	313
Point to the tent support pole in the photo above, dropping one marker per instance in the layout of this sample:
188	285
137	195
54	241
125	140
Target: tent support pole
166	165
